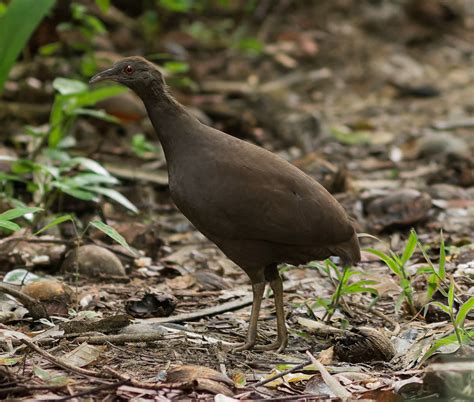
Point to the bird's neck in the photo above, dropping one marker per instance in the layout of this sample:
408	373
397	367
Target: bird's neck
173	124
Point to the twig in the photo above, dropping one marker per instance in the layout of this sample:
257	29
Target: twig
34	307
147	385
94	390
121	338
66	366
37	240
206	312
25	387
283	373
378	313
330	381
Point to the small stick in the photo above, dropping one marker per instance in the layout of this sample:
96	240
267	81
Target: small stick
206	312
89	391
121	338
148	385
330	381
283	373
66	366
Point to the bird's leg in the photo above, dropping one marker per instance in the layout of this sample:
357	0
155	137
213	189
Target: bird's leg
282	333
271	274
257	289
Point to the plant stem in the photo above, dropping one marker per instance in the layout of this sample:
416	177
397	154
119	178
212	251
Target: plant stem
337	294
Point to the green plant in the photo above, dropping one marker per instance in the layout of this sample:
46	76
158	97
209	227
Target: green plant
461	335
226	33
7	217
16	26
141	146
103	227
397	265
71	101
50	170
89	26
340	280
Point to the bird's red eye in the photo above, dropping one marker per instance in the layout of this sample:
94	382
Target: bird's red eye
128	69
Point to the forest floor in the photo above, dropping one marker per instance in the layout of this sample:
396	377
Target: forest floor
374	101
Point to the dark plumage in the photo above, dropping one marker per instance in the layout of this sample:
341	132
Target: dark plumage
256	207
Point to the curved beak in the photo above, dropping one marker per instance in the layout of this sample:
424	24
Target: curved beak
108	74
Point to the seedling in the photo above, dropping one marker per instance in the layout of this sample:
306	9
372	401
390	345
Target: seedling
461	335
397	265
340	280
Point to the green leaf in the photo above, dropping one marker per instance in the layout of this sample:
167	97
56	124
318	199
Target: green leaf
9	226
451	296
87	179
112	233
103	5
116	196
16	26
66	86
387	260
49	49
98	114
75	192
464	311
441	306
55	222
91	97
91	165
176	67
177	6
442	259
448	340
17	212
410	247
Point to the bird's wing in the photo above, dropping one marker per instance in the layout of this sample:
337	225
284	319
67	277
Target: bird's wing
274	202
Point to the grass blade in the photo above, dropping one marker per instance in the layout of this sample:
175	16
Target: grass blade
9	226
17	212
55	222
410	247
442	259
16	26
390	262
112	233
464	311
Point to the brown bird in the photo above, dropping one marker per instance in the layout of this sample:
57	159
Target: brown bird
259	209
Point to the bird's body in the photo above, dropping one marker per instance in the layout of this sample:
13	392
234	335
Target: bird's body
256	207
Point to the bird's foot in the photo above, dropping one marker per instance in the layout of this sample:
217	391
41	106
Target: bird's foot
244	346
278	346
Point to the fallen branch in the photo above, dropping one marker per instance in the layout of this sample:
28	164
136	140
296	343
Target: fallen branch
206	312
148	385
330	381
34	307
60	363
120	339
94	390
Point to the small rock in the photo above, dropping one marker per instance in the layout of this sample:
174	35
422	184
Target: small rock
441	144
403	207
54	295
94	262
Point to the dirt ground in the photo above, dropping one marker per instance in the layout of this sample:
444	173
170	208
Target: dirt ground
375	99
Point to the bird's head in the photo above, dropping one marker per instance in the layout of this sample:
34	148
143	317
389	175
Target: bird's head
134	72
